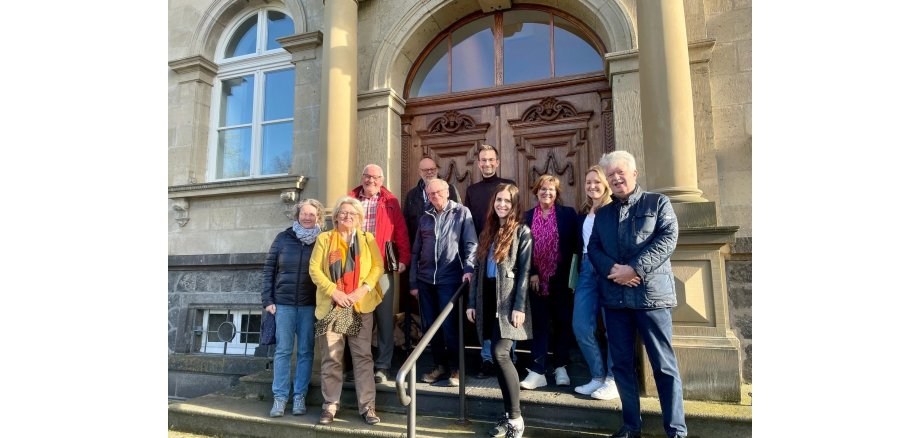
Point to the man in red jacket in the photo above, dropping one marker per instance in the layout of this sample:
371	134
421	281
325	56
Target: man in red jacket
383	217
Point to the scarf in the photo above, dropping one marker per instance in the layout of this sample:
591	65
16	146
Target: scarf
344	261
307	236
545	247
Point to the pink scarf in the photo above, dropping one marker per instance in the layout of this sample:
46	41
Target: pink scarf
545	247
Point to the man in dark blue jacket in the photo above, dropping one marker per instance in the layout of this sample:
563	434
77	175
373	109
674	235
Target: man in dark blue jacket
443	256
630	247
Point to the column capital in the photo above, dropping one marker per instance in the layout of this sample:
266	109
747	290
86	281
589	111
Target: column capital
302	46
194	68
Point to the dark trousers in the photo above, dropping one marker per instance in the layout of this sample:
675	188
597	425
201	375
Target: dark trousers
502	348
445	344
555	310
654	327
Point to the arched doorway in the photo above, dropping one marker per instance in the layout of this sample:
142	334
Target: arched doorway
528	81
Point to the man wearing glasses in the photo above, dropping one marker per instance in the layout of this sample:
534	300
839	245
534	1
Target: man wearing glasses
383	218
443	256
416	201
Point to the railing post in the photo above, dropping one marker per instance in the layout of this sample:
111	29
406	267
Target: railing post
410	421
461	313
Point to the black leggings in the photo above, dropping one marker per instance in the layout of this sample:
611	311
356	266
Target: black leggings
508	379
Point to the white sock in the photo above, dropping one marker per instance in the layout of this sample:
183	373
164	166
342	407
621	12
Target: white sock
518	422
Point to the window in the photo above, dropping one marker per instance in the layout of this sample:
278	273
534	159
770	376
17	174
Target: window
253	112
524	44
226	331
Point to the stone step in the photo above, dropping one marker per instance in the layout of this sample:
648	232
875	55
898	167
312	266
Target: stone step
551	407
231	416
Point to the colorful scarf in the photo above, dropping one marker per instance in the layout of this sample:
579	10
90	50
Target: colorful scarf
306	235
344	261
545	247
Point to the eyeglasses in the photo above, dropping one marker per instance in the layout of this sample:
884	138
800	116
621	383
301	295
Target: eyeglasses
375	178
433	169
347	213
437	192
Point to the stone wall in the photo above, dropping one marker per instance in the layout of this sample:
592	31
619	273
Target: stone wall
739	276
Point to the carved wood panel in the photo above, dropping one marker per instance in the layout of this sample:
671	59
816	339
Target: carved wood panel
548	132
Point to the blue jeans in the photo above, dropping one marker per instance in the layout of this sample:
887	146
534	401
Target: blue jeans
584	321
291	321
486	353
654	326
445	344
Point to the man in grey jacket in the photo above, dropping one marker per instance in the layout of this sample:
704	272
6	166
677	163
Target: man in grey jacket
630	247
443	256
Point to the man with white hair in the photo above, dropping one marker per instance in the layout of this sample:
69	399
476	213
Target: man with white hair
443	256
630	247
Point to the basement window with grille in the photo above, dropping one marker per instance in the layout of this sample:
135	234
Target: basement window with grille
227	331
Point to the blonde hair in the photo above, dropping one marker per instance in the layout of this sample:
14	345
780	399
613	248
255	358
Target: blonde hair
605	197
352	202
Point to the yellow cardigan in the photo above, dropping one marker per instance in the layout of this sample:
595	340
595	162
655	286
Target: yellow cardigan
371	270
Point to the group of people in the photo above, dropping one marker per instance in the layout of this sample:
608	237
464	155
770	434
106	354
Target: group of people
518	267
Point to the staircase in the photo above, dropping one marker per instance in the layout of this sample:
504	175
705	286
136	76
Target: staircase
551	411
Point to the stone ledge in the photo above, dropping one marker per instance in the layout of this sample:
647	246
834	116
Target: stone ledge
255	185
204	260
217	364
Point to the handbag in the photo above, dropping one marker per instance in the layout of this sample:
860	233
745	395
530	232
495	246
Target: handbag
342	320
267	330
391	256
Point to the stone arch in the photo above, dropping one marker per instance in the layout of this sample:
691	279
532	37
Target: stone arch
610	20
219	14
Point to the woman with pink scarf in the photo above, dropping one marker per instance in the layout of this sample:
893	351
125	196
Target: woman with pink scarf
555	237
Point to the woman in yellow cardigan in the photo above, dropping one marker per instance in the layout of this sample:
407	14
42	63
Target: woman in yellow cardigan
345	266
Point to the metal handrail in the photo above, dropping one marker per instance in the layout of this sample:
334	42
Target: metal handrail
409	366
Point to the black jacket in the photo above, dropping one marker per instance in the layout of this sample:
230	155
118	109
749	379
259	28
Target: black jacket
567	226
286	274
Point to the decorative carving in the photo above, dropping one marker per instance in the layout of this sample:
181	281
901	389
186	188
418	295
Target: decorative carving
459	177
404	156
607	113
568	169
549	109
452	122
180	207
288	202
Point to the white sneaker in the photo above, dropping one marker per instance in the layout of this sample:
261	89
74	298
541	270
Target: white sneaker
606	392
590	387
533	380
562	377
515	428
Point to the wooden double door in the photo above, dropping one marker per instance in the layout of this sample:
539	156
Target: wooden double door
559	128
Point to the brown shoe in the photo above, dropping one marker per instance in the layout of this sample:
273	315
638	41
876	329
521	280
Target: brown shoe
326	417
437	373
370	417
454	379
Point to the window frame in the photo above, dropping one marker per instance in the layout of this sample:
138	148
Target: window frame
257	64
588	35
234	347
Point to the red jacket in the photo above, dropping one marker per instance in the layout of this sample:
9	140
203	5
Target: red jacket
391	225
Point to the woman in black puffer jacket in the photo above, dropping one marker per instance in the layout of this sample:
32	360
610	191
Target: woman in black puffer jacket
289	293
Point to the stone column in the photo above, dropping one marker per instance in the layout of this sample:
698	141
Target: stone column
339	112
667	103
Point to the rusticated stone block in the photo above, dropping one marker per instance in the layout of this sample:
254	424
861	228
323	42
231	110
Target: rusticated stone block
192	281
